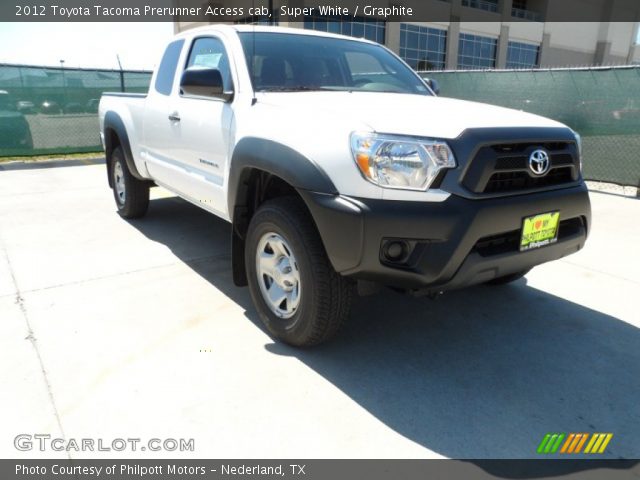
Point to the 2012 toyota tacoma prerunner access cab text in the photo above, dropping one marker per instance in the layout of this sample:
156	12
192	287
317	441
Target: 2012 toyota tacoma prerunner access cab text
339	168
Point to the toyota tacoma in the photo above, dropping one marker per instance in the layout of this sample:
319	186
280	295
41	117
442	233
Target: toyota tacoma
340	169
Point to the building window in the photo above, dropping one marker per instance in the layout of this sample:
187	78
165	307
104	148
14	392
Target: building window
520	9
487	5
423	48
476	52
523	55
359	27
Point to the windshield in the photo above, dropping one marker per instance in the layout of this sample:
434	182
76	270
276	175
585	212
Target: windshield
287	63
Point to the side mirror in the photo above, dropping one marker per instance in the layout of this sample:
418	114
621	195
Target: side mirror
204	82
433	85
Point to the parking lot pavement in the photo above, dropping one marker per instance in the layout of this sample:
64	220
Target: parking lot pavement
116	329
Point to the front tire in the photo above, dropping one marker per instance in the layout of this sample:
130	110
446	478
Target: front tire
131	195
299	297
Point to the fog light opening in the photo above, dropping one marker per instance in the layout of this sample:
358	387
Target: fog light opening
395	251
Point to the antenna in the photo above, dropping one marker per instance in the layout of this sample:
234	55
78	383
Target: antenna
254	100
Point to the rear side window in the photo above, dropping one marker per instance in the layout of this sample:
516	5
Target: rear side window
167	69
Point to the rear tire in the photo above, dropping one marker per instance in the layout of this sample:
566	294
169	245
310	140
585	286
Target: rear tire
131	195
508	278
299	297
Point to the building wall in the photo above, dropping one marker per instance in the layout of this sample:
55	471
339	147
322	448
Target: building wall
528	32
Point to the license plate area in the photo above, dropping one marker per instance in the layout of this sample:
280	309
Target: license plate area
539	230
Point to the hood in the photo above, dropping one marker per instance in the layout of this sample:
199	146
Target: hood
414	115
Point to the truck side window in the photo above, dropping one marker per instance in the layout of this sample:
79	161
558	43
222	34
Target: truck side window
167	68
209	52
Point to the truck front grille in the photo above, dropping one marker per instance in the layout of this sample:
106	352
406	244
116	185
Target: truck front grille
499	169
515	181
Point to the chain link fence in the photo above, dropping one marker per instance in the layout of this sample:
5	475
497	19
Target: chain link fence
55	110
601	104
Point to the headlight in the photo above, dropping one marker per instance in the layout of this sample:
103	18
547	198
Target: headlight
579	144
400	162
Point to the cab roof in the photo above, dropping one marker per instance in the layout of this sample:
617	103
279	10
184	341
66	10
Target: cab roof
244	28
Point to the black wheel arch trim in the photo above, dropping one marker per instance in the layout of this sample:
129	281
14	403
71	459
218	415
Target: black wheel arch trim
113	122
277	159
258	154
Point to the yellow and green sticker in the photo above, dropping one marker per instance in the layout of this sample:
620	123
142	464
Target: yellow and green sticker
539	230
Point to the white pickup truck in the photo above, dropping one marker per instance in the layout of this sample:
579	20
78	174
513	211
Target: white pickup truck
340	169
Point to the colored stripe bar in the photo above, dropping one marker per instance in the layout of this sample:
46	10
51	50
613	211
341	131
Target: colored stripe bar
594	437
576	439
550	443
567	443
606	442
543	443
556	445
596	446
581	443
573	443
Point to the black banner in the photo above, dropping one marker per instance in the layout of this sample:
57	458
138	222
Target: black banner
333	10
318	469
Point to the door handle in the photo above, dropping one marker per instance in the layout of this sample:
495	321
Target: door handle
174	117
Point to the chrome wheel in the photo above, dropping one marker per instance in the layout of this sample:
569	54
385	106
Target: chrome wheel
118	180
278	275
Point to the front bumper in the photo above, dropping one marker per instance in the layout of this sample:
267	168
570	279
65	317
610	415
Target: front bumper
452	244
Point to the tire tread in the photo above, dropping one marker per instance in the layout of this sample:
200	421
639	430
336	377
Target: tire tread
137	200
334	292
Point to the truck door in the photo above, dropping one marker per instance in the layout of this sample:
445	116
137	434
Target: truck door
159	149
203	129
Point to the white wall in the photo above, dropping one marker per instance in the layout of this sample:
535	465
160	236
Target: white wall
621	36
528	32
582	36
487	29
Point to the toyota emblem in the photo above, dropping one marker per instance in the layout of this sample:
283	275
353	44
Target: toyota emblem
539	162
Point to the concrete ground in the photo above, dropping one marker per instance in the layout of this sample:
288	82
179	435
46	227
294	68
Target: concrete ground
115	329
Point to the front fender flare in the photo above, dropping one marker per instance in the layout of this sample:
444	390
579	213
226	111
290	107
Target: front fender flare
251	154
277	159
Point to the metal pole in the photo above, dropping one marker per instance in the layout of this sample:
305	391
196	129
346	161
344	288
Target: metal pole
121	73
64	86
21	78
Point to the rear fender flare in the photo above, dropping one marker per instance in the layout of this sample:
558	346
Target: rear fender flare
113	123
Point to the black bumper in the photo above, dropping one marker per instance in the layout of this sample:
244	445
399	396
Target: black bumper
448	245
